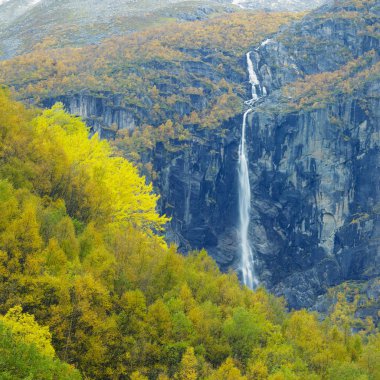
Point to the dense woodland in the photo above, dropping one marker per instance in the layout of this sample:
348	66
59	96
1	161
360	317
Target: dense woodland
86	279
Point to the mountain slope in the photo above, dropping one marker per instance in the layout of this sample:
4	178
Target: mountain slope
148	77
26	23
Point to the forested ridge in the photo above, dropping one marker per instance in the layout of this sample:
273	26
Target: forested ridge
86	278
188	73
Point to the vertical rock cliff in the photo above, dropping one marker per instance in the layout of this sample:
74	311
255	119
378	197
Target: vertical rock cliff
315	154
198	187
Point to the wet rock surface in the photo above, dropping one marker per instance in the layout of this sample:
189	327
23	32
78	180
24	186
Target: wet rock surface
316	191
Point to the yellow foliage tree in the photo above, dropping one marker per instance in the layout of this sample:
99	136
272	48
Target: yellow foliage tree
93	183
188	365
228	371
24	328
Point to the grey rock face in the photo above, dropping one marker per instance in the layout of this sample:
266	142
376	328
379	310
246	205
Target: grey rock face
315	220
198	190
104	114
316	188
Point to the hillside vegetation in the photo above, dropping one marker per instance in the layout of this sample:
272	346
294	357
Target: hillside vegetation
154	69
315	91
79	250
170	79
26	350
24	23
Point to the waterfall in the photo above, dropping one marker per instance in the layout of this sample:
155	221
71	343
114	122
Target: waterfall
247	261
253	80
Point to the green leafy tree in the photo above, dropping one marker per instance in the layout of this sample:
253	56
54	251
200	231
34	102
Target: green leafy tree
20	360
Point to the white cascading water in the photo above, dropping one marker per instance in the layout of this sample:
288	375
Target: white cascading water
247	263
253	80
247	258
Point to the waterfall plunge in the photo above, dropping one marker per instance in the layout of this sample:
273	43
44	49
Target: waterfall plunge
247	263
247	258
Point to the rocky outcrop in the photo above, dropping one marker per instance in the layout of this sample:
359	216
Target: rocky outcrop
316	198
104	114
198	187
